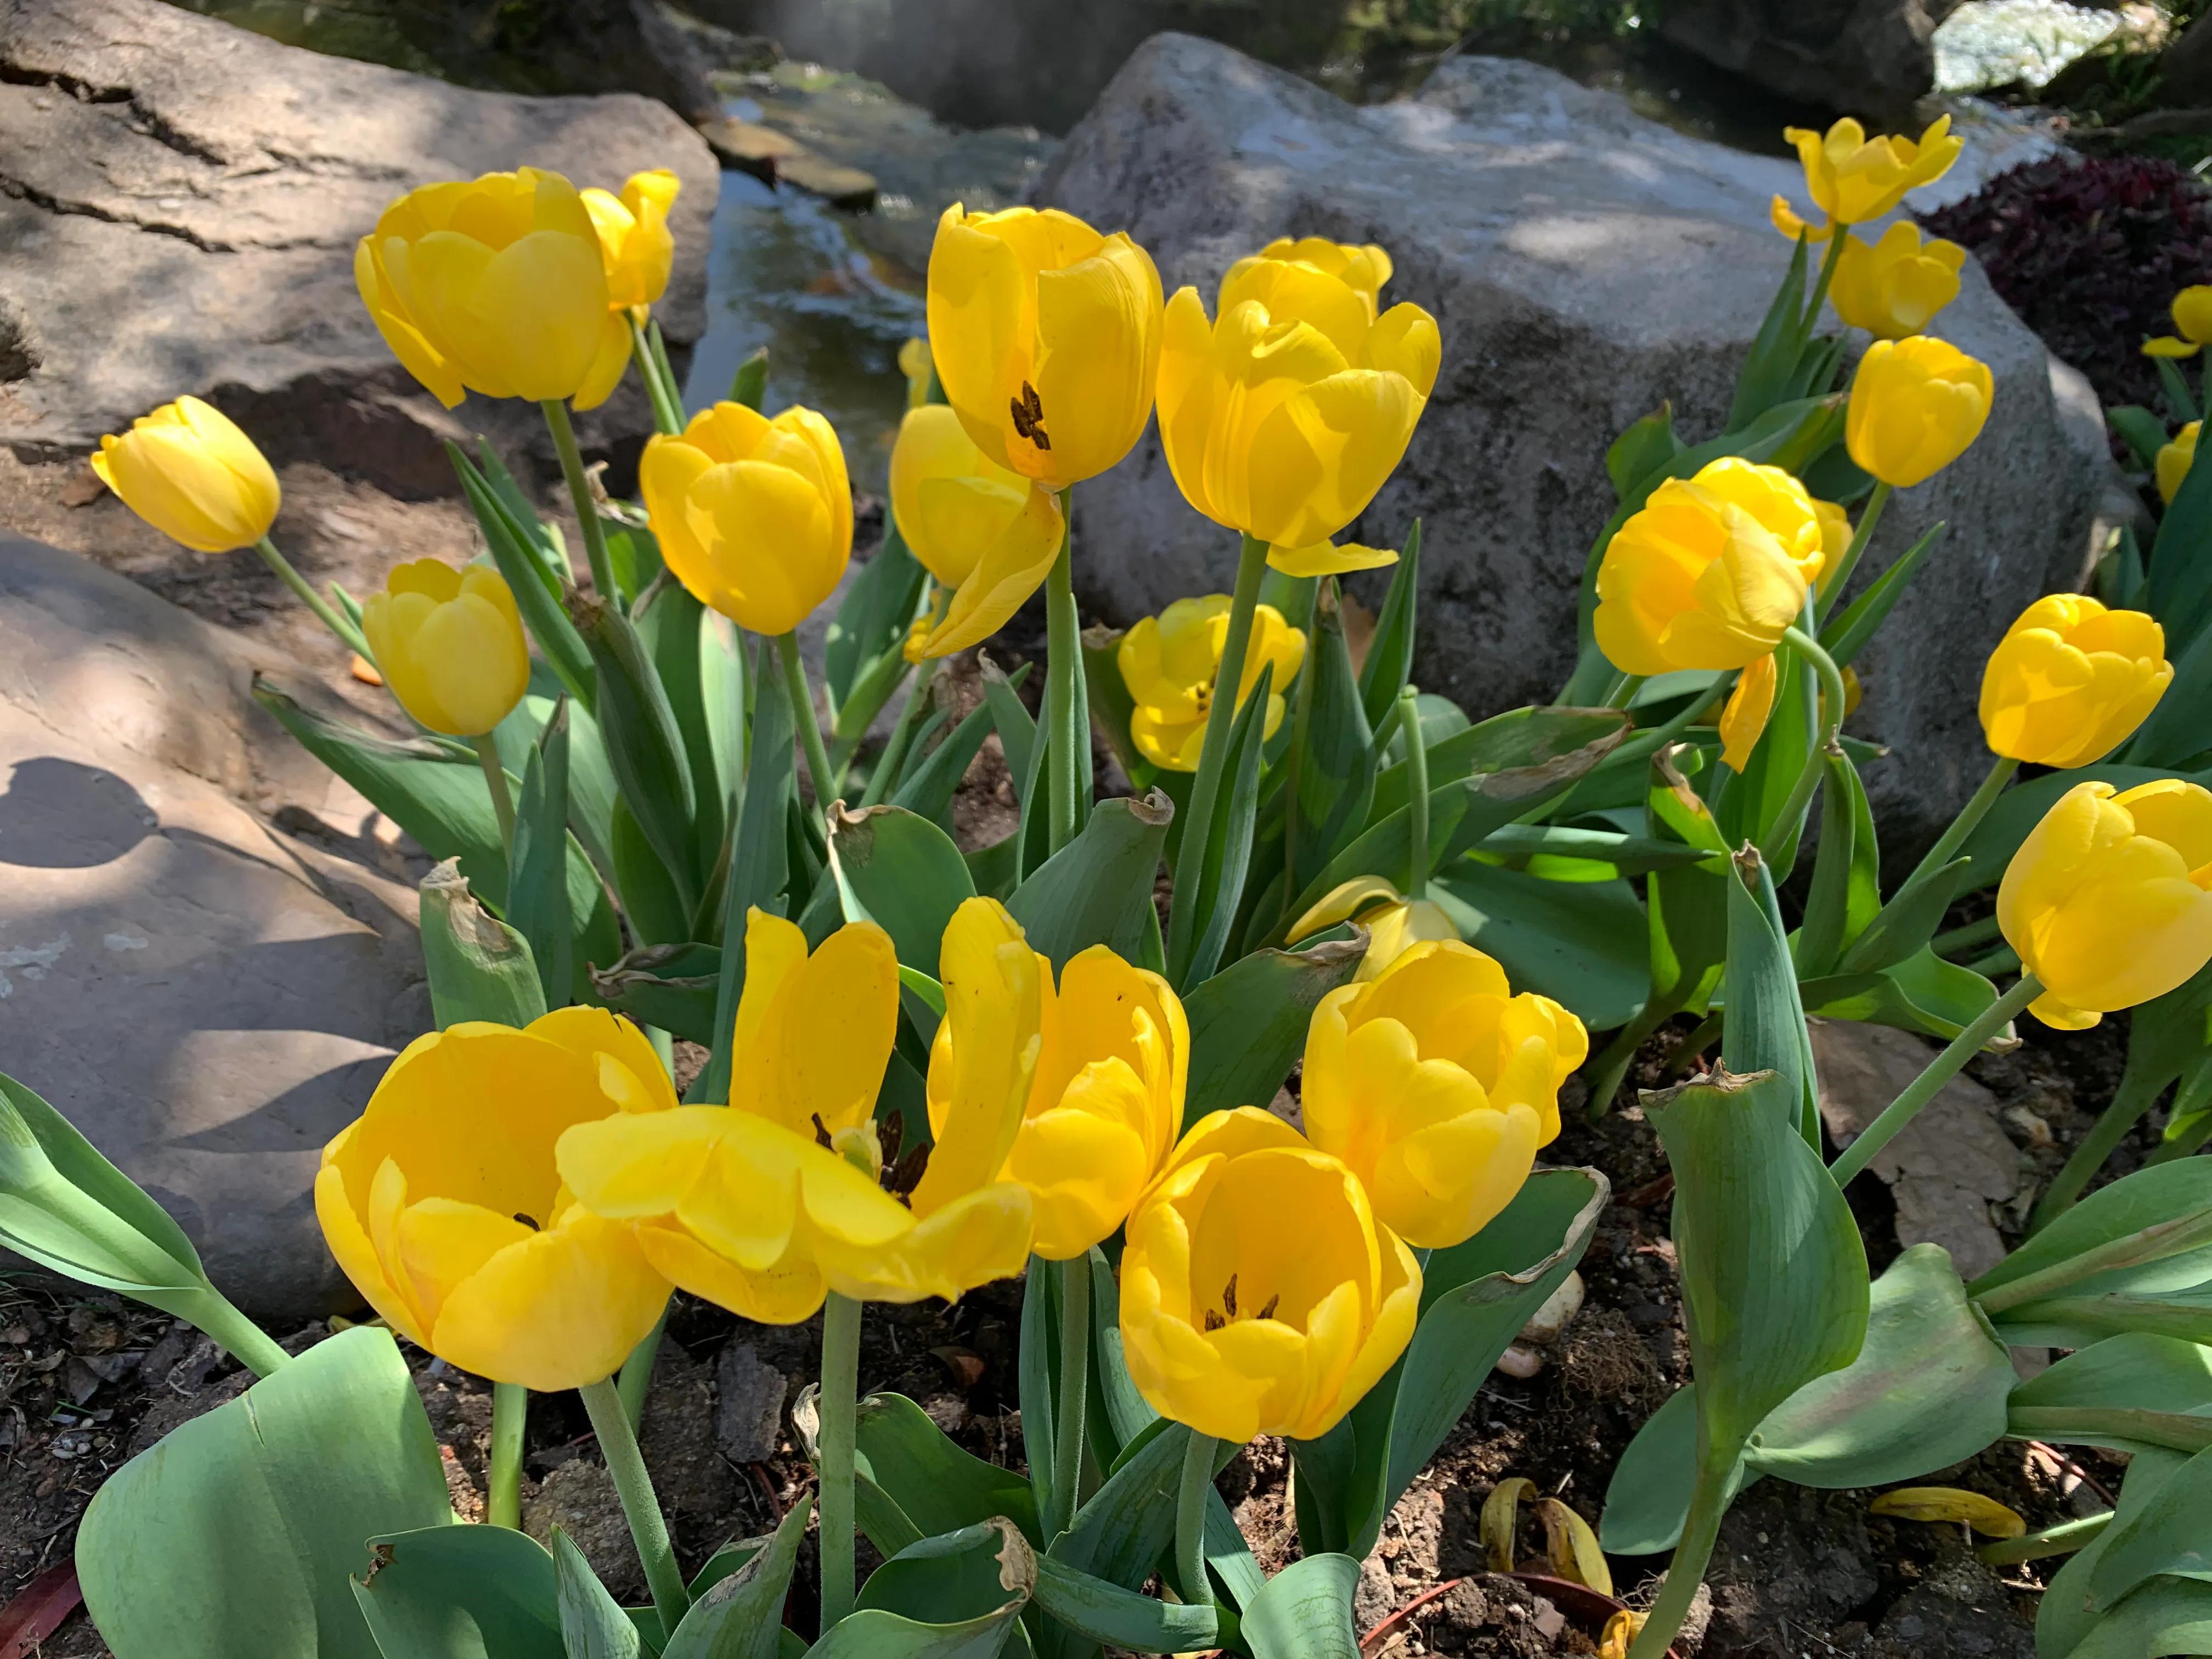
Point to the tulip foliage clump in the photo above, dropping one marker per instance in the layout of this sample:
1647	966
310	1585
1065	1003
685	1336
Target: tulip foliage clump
932	1067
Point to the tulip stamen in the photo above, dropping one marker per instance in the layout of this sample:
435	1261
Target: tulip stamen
1229	1296
1216	1321
1028	412
530	1222
902	1177
821	1131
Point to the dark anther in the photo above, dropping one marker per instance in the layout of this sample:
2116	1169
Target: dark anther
1229	1296
1214	1322
890	1133
821	1131
530	1222
1028	416
903	1176
1268	1312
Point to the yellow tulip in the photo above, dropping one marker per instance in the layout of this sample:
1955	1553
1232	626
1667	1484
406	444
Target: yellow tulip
1362	267
754	516
495	285
2106	902
190	473
1915	405
1891	288
1853	178
1170	663
1749	707
1106	1104
635	244
2174	461
1394	923
987	535
1329	558
1437	1085
735	1204
442	1204
449	644
1710	573
2071	681
1835	538
914	362
2192	323
1283	417
1046	337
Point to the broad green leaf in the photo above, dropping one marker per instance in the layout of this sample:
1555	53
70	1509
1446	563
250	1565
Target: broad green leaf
2065	1618
1647	445
1515	741
1111	705
674	631
2170	1535
1126	1414
1923	993
1749	805
978	1563
1336	745
537	896
1581	943
1038	1376
592	1623
653	902
1765	1026
1247	1023
1771	363
671	985
928	787
748	385
2135	1256
239	1532
1441	721
2173	733
460	1593
899	870
1648	1499
739	1615
940	1487
1573	853
2126	1393
1097	890
1390	648
1119	1534
478	967
1905	926
1305	1612
2166	1616
1127	1618
644	744
1846	889
2153	1205
2144	433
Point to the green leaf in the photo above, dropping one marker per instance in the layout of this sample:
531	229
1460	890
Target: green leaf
1390	648
2167	1615
928	787
940	1487
1648	1499
1128	1415
1846	890
1111	708
1038	1363
478	967
635	553
1120	1530
1520	740
901	871
1922	994
537	896
957	1572
536	587
1305	1612
748	385
643	743
1647	445
592	1623
1847	631
2151	1206
1247	1023
1905	926
2142	432
1127	1618
1765	1026
2126	1393
1213	892
652	903
1771	363
1097	890
1581	943
673	628
2064	1623
455	1592
671	985
2022	807
2170	1535
1337	758
2181	562
1569	853
741	1616
871	619
2174	732
237	1534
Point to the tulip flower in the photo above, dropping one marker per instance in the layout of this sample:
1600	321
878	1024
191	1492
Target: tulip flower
1749	707
1171	663
1362	267
1283	416
2109	900
1853	178
1437	1085
1394	923
2192	323
497	286
1709	572
814	1032
442	1204
2175	459
1915	405
1835	540
914	363
1893	286
1329	559
754	516
1260	1294
988	535
1107	1101
1046	337
450	645
2071	681
634	243
190	473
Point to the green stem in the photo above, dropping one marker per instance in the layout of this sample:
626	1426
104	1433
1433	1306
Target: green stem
1190	1519
1838	235
2186	1144
1074	1385
2061	1539
1939	1072
649	1528
502	798
1623	690
236	1335
2137	1091
1781	833
347	634
1965	936
810	729
1948	844
667	410
840	1382
634	1379
1832	589
1416	793
579	494
1067	739
1214	753
510	1414
910	720
1701	1529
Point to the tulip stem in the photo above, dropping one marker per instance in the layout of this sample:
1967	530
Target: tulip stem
649	1528
1939	1072
1214	753
809	728
1416	793
1190	1520
502	798
1831	588
579	494
840	1385
1948	844
237	1335
667	407
1067	734
634	1379
1781	835
347	634
1840	234
1075	1388
510	1414
2137	1089
1701	1529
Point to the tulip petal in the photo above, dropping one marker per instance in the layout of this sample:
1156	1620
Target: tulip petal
787	1293
561	1309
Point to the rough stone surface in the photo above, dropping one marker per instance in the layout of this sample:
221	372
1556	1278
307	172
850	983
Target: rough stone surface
1948	1166
1867	58
747	1405
1584	265
208	1001
580	1498
181	200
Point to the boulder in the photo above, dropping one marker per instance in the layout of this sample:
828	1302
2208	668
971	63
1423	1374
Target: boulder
207	1000
1584	264
181	200
1866	58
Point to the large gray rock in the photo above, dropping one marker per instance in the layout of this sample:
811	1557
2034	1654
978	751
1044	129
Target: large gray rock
180	201
1584	264
1867	57
208	1001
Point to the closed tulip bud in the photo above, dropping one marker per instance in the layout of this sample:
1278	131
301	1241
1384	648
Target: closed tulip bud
754	516
1260	1294
1283	416
2175	459
1893	286
2071	681
635	244
1170	664
2193	324
1915	405
1852	177
449	644
190	473
496	285
1437	1085
1710	573
1395	924
988	535
1046	337
1107	1101
2109	900
442	1204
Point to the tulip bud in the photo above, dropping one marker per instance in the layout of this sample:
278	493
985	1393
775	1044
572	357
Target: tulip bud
2175	459
1915	405
635	244
1046	337
1852	177
988	535
754	516
190	473
1393	924
914	363
1171	662
2192	323
450	645
2071	681
1892	288
496	285
2109	900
